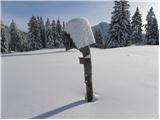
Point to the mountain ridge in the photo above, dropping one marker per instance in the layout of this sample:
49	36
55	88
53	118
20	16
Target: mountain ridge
103	27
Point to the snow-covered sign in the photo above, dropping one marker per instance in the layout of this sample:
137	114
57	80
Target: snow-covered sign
80	32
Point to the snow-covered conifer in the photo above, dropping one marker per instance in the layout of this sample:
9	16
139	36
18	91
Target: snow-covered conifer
34	34
5	39
152	32
63	32
98	39
42	29
16	37
53	25
120	29
24	41
58	40
49	35
136	27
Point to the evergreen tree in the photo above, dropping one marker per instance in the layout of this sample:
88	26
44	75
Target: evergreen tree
24	41
136	27
98	39
42	29
34	34
59	41
54	31
63	26
152	32
16	38
120	29
49	35
5	39
105	41
63	32
48	24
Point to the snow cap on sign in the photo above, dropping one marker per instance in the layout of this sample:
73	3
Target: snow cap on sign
80	32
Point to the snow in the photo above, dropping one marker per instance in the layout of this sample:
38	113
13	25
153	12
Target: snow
80	32
50	84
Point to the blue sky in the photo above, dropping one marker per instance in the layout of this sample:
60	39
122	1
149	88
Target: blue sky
94	11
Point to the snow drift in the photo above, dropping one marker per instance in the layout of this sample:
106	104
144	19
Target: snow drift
50	84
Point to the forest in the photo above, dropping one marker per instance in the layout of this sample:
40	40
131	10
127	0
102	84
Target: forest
124	30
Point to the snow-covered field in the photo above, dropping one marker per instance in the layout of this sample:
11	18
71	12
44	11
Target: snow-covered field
50	84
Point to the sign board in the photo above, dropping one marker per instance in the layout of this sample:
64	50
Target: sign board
80	32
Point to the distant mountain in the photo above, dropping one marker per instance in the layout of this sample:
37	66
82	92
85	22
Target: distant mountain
102	26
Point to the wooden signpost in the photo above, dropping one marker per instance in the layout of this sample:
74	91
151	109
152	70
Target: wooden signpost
82	44
86	61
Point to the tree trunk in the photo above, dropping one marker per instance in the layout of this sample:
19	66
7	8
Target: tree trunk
87	72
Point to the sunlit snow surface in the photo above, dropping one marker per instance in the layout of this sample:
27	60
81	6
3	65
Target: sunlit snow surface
50	84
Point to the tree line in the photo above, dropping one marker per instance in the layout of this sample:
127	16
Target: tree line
124	31
40	35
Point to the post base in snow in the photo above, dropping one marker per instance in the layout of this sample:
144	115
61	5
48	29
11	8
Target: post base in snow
89	90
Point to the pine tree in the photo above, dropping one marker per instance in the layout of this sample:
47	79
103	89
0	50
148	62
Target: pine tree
49	35
105	41
24	41
152	32
120	29
16	38
53	25
34	34
5	39
136	27
59	41
63	26
42	29
63	32
98	39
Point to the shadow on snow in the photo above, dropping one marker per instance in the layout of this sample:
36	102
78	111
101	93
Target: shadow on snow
59	110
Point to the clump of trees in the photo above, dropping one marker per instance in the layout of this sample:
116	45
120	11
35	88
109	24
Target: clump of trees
45	35
40	35
125	31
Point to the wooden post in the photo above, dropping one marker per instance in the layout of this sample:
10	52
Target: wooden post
86	60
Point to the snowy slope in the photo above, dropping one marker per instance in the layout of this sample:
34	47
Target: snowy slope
50	84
